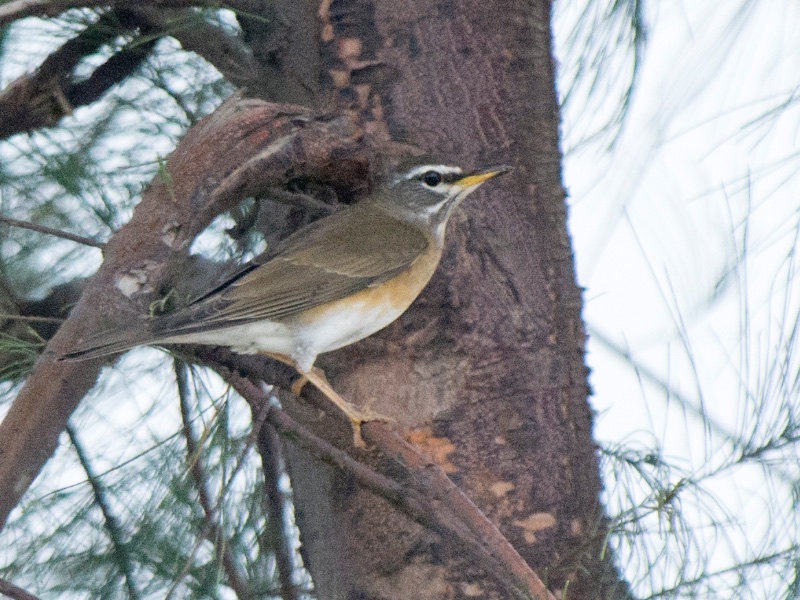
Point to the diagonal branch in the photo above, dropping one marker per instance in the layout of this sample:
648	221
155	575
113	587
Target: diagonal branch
51	231
44	97
14	592
225	52
51	320
215	534
473	524
427	495
112	526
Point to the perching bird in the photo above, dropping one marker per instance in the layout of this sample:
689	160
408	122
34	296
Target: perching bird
332	283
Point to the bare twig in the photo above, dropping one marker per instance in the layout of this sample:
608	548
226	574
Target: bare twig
15	593
54	320
235	579
51	231
270	450
428	496
120	548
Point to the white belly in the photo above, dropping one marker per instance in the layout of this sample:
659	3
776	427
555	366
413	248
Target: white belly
342	326
302	342
262	336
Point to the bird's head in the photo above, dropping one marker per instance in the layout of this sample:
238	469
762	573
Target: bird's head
427	193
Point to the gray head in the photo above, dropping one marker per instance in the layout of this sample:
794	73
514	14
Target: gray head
428	193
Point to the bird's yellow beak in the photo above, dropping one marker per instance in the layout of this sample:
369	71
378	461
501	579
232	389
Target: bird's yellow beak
478	177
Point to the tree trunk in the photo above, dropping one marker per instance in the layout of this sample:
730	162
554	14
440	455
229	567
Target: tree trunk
487	368
485	372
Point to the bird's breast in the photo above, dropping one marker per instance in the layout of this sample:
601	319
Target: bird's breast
342	322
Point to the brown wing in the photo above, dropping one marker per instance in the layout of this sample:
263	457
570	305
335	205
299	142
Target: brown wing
326	261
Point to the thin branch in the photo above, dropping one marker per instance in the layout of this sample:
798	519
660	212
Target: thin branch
215	533
225	52
42	98
20	9
428	496
111	523
15	593
270	450
434	482
51	231
54	320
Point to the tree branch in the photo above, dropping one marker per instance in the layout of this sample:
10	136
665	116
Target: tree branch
115	70
270	450
15	593
429	476
42	98
120	549
427	495
53	320
51	231
216	535
225	52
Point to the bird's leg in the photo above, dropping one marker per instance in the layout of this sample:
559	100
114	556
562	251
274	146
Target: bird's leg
298	385
316	377
356	415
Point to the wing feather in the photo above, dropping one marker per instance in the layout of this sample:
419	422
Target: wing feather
326	261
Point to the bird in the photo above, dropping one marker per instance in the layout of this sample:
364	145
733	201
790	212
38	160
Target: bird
332	283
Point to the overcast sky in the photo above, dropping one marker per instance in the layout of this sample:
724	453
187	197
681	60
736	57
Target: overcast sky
683	233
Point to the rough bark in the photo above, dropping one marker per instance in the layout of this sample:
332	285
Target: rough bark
486	370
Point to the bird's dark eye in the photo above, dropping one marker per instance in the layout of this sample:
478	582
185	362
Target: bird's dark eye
432	178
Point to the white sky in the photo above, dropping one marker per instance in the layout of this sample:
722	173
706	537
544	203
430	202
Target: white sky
697	178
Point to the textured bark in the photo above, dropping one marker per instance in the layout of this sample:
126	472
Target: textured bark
282	37
486	369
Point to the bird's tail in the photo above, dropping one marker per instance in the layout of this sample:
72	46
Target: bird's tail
108	343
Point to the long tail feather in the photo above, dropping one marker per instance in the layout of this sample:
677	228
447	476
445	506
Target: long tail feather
107	343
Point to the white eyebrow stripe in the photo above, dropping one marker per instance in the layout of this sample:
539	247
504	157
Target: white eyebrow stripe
444	169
